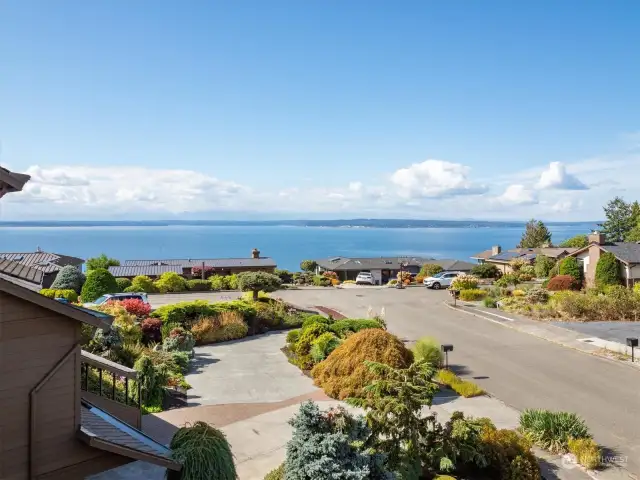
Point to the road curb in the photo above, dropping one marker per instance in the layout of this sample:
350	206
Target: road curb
512	325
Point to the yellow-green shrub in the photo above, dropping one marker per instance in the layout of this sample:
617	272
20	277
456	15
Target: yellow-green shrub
343	374
126	322
518	293
586	451
461	387
69	295
464	282
472	294
509	455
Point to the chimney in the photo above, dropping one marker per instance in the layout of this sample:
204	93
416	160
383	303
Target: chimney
597	238
255	253
496	250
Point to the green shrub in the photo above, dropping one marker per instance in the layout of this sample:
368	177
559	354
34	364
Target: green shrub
562	282
429	270
321	281
203	452
285	275
552	430
308	265
343	374
351	325
293	336
69	278
232	282
181	359
170	282
472	295
543	266
570	266
461	387
142	283
307	337
198	285
489	302
69	295
607	270
577	241
123	283
98	283
486	270
587	452
258	281
508	279
221	328
186	313
428	349
509	455
323	346
311	319
527	271
537	295
179	340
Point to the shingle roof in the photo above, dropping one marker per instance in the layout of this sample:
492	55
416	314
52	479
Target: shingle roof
508	256
209	262
44	261
102	431
382	263
21	271
628	252
11	181
483	255
552	252
150	270
454	265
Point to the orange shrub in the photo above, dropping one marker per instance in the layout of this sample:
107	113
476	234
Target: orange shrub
343	374
335	281
419	279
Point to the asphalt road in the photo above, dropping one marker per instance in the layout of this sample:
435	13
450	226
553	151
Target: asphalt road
521	370
613	331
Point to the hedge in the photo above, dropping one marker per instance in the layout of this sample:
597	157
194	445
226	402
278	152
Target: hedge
607	270
69	295
99	282
186	313
341	327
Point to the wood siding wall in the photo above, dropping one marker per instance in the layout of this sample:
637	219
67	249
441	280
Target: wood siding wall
32	341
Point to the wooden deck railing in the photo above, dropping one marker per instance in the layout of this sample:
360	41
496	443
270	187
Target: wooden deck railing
112	387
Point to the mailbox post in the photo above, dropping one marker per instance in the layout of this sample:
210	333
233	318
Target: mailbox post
633	343
446	348
455	294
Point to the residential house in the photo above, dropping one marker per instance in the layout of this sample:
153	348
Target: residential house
21	274
383	269
48	263
52	427
184	267
502	260
11	182
627	254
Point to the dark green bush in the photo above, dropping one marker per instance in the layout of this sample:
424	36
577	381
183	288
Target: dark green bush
342	327
98	283
607	270
285	275
308	265
429	270
486	270
543	266
570	266
69	278
123	283
321	281
199	285
258	282
490	302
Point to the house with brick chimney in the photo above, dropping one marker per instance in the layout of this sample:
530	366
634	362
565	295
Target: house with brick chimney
185	266
627	254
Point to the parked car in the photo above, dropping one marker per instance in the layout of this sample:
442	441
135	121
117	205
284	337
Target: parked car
116	297
439	280
365	278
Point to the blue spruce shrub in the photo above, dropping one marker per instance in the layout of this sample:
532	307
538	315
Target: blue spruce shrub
326	446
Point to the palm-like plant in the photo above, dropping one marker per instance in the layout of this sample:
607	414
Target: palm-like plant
552	430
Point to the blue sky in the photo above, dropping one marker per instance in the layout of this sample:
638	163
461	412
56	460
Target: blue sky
332	108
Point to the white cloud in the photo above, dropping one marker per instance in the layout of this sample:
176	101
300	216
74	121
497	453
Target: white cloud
433	179
518	195
127	189
556	177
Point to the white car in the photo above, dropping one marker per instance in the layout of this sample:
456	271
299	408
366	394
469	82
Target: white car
116	297
365	278
440	280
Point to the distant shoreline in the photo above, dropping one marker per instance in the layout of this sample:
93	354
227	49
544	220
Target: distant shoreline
348	223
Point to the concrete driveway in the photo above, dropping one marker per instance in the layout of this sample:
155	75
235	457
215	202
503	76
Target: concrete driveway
521	370
243	371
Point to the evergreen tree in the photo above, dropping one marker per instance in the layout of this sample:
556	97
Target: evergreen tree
634	233
607	270
99	282
571	266
69	278
543	266
536	234
101	262
619	222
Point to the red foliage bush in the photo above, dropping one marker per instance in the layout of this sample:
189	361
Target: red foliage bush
563	282
196	272
136	307
151	330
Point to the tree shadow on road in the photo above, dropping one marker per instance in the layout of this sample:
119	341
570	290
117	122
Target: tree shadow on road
201	361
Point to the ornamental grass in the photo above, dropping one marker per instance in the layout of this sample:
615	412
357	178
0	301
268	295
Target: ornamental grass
343	374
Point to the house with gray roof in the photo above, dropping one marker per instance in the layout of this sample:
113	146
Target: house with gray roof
627	254
47	263
185	266
502	260
384	269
